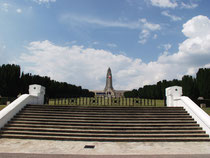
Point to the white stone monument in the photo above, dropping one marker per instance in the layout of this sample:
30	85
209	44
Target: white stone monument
172	94
38	91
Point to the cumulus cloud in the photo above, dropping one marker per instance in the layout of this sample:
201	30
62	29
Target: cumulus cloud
172	17
194	52
87	66
164	3
197	27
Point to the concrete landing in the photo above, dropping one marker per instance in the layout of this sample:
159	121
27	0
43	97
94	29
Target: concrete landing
103	148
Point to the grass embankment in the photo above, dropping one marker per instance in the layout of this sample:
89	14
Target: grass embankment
207	110
2	107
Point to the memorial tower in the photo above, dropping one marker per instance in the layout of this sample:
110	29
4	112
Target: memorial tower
109	90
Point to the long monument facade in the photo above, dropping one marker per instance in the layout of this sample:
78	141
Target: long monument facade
109	91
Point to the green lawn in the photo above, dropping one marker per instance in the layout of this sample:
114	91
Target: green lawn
207	110
2	107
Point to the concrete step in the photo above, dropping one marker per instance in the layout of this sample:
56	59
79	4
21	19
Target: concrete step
112	115
46	129
67	119
103	107
66	126
104	124
104	112
106	119
66	122
107	139
122	135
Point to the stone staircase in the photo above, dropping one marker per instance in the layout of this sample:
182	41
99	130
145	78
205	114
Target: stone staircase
123	124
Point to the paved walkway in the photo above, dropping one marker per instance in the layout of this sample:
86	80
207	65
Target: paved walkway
75	149
18	155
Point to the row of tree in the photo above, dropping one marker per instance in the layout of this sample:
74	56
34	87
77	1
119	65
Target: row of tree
192	87
13	82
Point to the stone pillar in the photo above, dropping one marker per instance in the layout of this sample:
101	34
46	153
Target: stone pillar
173	95
37	91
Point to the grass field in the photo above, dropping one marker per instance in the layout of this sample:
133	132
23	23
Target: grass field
2	107
207	110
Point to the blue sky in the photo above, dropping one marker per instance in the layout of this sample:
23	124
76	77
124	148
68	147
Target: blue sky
143	41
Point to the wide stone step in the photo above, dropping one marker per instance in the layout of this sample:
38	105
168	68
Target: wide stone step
46	129
104	119
113	116
122	135
91	126
103	107
67	119
137	122
134	139
105	112
82	123
107	118
66	122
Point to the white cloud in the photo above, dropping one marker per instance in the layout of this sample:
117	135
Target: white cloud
172	17
142	24
8	7
147	29
188	6
44	1
197	26
164	3
112	45
144	35
19	10
155	36
194	52
167	46
88	66
4	7
78	20
150	26
95	42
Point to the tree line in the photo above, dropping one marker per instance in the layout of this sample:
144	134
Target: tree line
192	87
14	82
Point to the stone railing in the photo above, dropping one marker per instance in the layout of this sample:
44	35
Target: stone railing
106	101
174	98
35	96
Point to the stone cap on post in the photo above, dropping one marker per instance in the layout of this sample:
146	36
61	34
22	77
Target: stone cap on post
173	94
36	90
174	91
